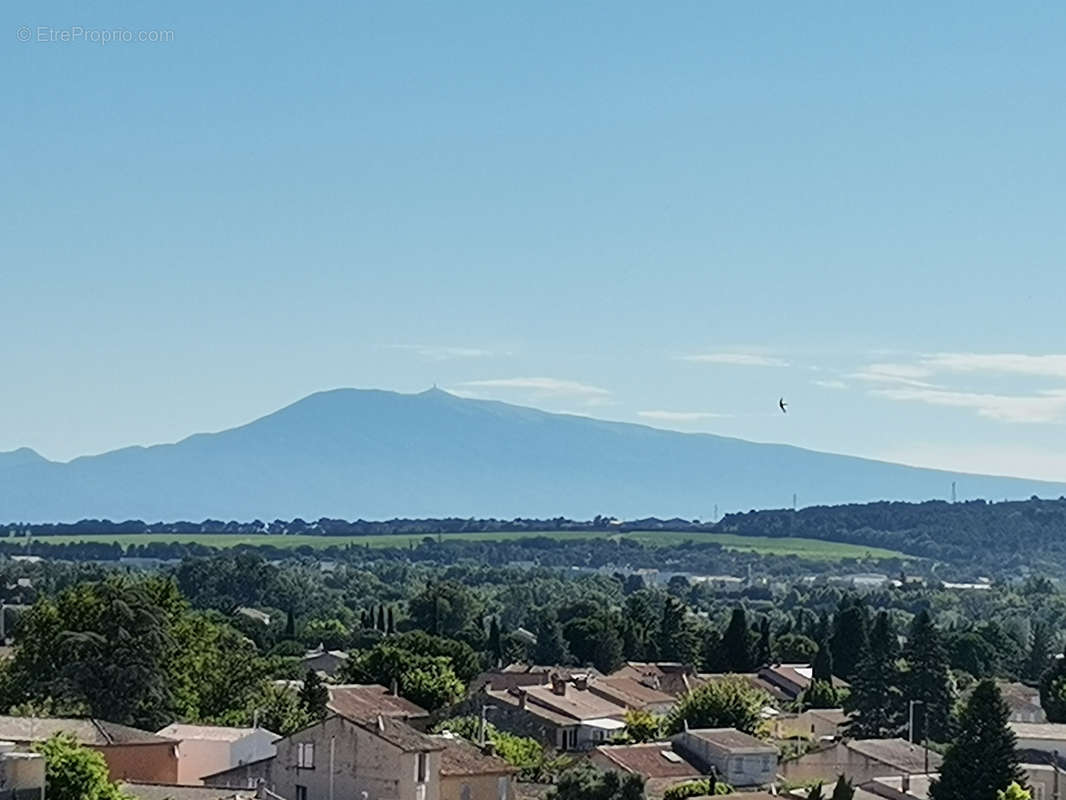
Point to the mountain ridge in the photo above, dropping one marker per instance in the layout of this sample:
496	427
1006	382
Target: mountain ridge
370	453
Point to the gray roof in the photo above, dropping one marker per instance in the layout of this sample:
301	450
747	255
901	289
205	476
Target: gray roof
897	753
169	791
730	739
398	733
86	731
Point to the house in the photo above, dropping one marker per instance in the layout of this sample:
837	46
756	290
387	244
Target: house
632	693
206	749
1023	702
737	757
21	774
1047	737
468	772
660	764
565	715
789	681
345	758
814	723
860	760
130	753
322	660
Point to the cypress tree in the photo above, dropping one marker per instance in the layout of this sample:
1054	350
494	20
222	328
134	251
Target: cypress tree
1053	690
390	624
822	669
314	695
1039	652
764	649
983	759
290	625
850	640
736	643
381	619
876	696
928	679
495	643
843	789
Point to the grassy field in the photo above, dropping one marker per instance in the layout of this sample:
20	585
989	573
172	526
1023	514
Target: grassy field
806	548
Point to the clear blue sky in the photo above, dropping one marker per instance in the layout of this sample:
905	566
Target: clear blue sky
670	215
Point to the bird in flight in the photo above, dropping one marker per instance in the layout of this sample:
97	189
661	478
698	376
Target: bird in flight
783	405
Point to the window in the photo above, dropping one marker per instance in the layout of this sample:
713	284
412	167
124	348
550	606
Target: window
301	792
422	768
305	755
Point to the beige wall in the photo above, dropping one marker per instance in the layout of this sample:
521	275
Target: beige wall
481	787
826	765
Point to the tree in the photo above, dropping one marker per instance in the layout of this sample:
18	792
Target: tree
1013	792
73	772
279	710
595	640
822	669
764	648
816	792
843	789
290	625
849	641
928	679
1053	690
820	694
736	643
390	622
381	626
642	726
428	681
876	697
730	702
982	760
676	640
444	608
585	782
1039	652
314	695
495	645
550	649
795	648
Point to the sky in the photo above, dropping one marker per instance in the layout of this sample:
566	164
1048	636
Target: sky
672	216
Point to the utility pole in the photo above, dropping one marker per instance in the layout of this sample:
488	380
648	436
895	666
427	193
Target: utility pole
910	718
954	494
484	723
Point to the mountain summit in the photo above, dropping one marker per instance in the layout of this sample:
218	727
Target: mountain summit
375	455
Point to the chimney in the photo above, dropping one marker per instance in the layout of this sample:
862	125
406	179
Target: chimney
381	724
521	698
488	749
581	682
905	783
394	687
558	685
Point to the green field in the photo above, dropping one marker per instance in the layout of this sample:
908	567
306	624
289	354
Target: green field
806	548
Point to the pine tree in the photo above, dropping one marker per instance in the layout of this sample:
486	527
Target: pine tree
822	669
495	643
876	695
928	679
676	640
736	643
983	759
764	649
314	695
850	640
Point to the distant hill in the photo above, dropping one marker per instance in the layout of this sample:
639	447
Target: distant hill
375	455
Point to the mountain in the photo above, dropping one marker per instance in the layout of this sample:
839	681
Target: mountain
376	455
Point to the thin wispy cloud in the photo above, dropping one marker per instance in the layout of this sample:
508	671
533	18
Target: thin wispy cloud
906	374
1048	366
1043	407
445	353
552	387
830	383
680	416
735	359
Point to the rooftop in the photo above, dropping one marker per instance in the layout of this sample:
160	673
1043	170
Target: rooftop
398	733
652	760
170	791
460	757
364	701
630	691
897	753
85	730
730	739
1039	730
212	733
